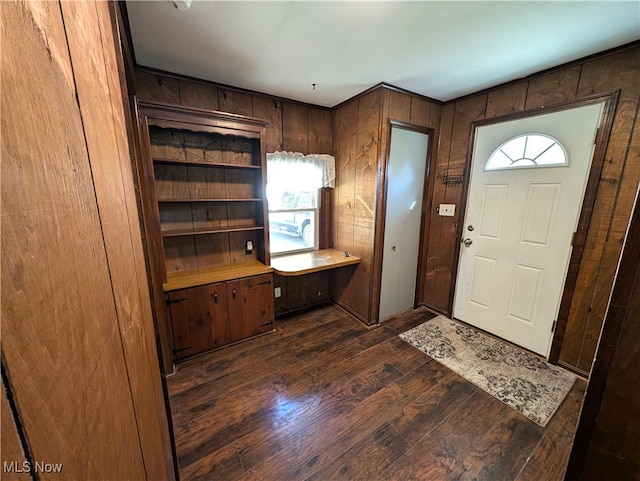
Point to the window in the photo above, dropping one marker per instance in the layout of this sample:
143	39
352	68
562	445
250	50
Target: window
293	192
527	151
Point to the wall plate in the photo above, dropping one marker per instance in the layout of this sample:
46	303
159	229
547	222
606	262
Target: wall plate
447	210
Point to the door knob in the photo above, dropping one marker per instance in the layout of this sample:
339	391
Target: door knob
467	242
393	248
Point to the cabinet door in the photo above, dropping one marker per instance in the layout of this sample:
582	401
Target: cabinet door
234	293
318	286
251	309
191	321
219	318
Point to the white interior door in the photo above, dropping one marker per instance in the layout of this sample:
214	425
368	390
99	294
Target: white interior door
518	229
405	185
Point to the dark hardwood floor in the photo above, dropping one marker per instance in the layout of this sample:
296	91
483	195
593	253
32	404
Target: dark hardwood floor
323	398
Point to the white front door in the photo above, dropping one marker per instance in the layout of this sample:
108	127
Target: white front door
405	184
519	225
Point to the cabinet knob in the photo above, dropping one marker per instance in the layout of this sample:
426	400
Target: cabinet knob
233	293
215	297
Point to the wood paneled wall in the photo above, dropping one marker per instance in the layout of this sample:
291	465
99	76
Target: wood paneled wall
78	345
292	126
620	175
361	135
607	444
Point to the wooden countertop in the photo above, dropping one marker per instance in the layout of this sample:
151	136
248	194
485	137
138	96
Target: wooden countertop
314	261
184	279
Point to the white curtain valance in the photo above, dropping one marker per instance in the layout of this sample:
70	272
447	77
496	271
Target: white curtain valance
312	171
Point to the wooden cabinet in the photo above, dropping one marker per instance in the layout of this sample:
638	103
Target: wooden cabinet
199	319
303	279
302	291
203	182
210	316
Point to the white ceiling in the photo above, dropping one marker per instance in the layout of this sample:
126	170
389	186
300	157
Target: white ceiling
443	50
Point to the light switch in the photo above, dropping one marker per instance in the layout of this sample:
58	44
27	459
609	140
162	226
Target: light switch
447	210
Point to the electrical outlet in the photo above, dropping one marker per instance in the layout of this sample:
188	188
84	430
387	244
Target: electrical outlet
447	210
277	292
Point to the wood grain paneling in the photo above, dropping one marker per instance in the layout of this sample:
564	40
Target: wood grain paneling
506	100
423	112
399	106
157	88
466	112
197	94
607	444
344	132
319	131
235	102
629	180
271	111
72	302
97	82
434	264
553	88
295	127
292	126
611	209
366	175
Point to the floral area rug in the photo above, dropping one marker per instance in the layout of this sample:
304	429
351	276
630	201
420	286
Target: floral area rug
519	379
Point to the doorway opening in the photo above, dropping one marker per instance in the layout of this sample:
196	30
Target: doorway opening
406	173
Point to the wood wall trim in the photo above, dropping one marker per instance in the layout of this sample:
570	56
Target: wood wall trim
121	26
177	113
387	86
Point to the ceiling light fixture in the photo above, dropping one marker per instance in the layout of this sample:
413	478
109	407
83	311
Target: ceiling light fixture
181	4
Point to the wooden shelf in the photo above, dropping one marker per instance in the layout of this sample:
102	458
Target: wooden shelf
167	201
185	232
185	279
205	163
315	261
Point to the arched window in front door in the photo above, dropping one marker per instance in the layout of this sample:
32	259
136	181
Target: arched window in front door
527	151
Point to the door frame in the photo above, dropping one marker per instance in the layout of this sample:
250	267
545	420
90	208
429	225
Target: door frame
609	101
382	186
